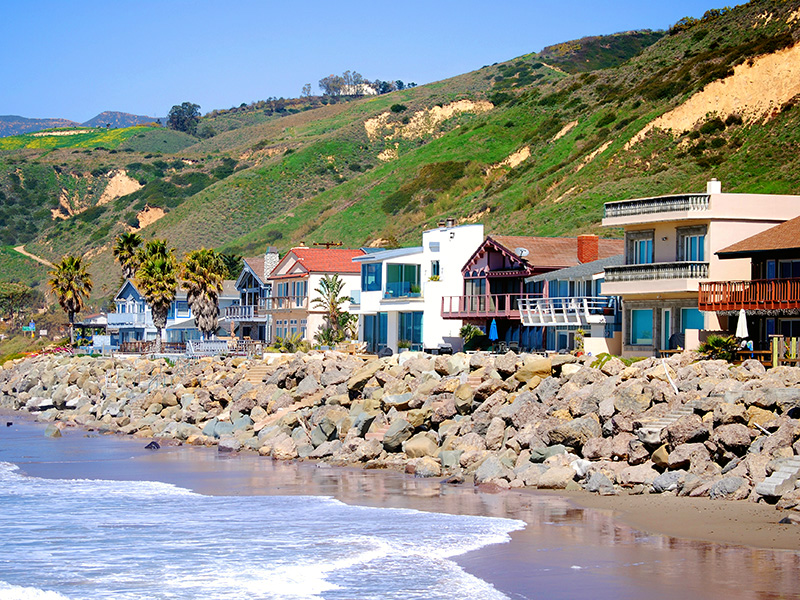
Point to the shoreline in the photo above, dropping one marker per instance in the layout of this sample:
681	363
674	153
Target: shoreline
650	521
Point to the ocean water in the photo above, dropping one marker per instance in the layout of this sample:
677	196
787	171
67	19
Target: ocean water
130	540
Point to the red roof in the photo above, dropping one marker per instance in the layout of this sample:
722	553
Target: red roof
326	260
554	252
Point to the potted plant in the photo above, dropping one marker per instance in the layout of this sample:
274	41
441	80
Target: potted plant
433	278
415	291
403	345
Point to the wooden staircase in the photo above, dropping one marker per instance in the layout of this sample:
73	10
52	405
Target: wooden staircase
257	373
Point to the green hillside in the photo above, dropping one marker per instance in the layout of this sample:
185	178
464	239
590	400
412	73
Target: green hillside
535	145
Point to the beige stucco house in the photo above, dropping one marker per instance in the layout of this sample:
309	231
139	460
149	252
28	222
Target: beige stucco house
670	246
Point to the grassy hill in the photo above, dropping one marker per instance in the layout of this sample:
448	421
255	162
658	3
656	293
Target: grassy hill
534	145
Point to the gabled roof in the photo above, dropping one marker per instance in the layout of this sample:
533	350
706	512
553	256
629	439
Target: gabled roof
785	236
321	260
256	265
555	252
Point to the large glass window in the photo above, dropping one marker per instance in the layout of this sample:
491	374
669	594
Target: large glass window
371	277
694	248
643	252
410	328
639	247
402	281
376	329
789	269
641	327
691	318
435	269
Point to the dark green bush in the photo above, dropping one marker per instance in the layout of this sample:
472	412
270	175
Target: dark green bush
398	108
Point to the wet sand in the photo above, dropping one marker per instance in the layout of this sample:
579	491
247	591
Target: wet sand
574	545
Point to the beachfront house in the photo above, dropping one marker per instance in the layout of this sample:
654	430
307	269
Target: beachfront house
770	297
401	290
494	281
250	317
571	313
294	281
132	320
670	249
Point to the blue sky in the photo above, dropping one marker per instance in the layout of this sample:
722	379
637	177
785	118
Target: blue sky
74	59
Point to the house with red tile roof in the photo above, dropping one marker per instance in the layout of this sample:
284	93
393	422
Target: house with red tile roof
294	280
494	280
771	297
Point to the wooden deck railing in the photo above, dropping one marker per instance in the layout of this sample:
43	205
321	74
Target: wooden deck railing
496	305
646	206
759	294
657	271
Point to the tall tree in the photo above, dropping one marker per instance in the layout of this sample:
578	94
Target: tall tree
157	279
332	85
17	299
184	117
71	283
331	301
126	251
202	273
234	263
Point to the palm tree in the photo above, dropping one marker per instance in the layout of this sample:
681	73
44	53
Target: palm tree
234	264
330	300
71	283
202	272
126	251
157	279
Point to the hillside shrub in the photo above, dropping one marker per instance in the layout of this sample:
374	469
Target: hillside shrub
398	108
712	126
606	119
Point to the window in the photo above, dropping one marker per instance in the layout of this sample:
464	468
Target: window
691	318
303	327
410	328
371	277
789	269
293	326
402	281
643	252
435	268
692	243
641	327
694	248
639	247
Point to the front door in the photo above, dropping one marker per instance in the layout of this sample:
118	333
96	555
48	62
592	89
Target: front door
666	328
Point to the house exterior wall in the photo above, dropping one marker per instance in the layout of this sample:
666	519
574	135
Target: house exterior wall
667	286
450	247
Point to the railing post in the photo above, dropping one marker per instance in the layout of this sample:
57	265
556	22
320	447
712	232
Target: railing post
777	345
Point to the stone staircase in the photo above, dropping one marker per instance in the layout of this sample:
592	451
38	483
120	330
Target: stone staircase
256	373
781	481
650	433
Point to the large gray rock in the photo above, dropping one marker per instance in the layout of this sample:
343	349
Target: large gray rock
427	467
492	469
399	431
575	433
539	455
727	488
599	483
668	482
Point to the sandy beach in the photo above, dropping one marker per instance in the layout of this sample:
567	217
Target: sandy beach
651	545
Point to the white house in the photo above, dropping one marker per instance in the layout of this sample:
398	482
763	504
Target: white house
400	300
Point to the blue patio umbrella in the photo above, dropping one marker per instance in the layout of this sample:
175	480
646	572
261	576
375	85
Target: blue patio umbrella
493	331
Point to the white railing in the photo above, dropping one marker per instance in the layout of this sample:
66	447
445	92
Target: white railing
567	311
646	206
130	319
206	348
248	312
653	271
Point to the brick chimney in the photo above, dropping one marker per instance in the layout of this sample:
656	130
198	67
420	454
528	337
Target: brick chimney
588	248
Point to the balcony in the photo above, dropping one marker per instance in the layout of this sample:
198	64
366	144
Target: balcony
662	204
284	303
249	312
128	319
757	295
402	290
550	312
657	271
488	306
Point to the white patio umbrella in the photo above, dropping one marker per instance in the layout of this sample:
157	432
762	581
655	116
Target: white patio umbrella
741	326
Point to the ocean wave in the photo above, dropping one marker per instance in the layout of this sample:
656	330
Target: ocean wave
16	592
